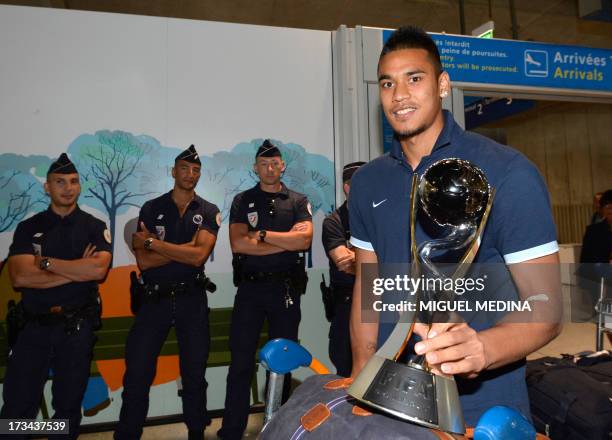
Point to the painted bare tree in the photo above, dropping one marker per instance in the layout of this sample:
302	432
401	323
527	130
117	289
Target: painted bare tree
226	173
20	194
109	163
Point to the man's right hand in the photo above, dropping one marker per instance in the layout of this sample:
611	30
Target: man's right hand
346	263
344	259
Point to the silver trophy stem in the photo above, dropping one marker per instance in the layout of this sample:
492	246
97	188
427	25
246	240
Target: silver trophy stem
459	238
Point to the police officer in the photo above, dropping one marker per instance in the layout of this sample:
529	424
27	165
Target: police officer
337	298
55	260
269	226
176	233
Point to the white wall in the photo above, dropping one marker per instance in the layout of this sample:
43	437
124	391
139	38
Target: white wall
64	74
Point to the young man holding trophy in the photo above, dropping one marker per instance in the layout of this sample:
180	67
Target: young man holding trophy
504	220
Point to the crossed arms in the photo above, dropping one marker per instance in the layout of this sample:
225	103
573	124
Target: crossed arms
194	253
245	242
24	269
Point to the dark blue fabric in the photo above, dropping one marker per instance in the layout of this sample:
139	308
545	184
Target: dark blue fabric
341	424
38	350
254	303
253	207
59	237
335	234
188	313
340	340
520	220
161	216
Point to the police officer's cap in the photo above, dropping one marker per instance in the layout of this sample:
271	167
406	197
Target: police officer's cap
62	165
268	149
189	155
349	169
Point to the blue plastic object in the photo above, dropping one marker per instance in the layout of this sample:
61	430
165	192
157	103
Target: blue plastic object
283	355
503	423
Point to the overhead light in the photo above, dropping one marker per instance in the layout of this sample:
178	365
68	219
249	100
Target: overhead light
484	30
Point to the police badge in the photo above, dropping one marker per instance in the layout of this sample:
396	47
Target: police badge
253	218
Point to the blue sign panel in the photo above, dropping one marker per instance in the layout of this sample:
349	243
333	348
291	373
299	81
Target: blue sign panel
523	63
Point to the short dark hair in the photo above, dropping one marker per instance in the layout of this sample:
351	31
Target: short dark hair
606	198
411	37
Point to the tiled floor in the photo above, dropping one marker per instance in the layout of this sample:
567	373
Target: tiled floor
574	338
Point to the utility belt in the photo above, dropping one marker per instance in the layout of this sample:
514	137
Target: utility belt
296	278
263	277
142	292
334	295
69	316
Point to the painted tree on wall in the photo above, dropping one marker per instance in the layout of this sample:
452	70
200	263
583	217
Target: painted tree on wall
120	170
112	174
227	173
21	189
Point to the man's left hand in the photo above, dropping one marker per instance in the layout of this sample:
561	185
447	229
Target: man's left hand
452	348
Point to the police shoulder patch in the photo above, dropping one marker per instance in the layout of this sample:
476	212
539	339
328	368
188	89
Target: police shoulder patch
107	236
253	218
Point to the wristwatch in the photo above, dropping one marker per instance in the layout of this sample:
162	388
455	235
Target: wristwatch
147	243
262	235
44	264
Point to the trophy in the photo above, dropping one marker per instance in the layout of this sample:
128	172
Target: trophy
456	196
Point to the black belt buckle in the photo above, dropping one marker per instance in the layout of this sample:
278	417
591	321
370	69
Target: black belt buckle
267	276
179	289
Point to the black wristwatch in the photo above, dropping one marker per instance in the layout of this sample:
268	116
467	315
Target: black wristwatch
44	264
262	235
147	243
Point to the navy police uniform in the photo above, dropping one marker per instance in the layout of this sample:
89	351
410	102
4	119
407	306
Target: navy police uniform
337	232
58	336
520	228
171	295
264	291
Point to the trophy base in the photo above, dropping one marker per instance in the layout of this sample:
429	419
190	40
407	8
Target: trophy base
410	393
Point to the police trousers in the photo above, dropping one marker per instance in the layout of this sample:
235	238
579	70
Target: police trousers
254	302
340	339
188	313
40	351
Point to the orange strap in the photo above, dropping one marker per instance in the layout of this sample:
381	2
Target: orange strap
315	417
360	412
338	384
318	367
